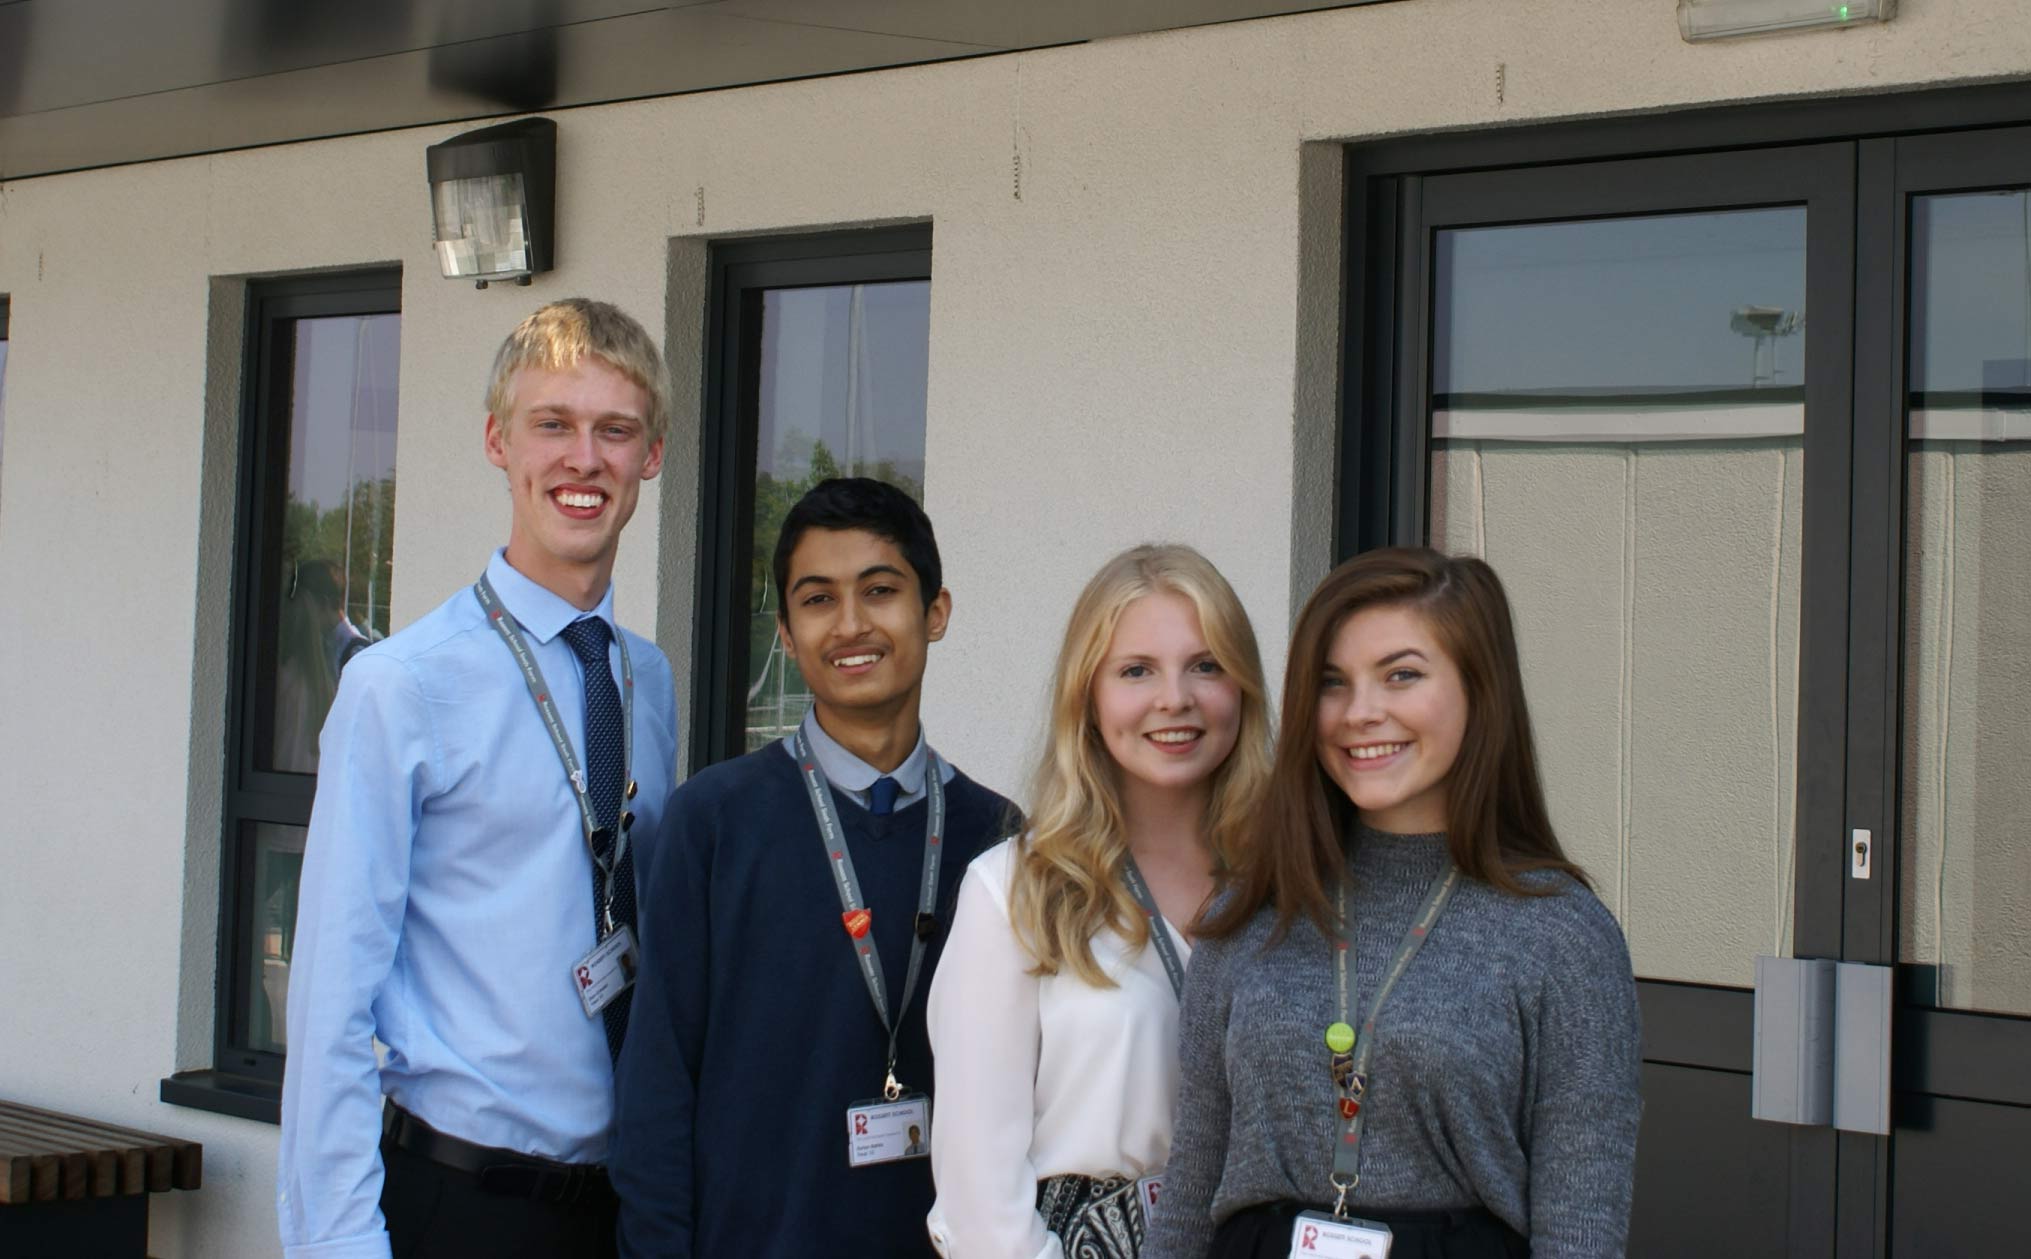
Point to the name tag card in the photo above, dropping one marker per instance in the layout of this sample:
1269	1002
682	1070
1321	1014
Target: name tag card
607	971
1146	1191
883	1131
1317	1235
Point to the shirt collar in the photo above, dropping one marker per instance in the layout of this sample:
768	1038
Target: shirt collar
541	613
844	769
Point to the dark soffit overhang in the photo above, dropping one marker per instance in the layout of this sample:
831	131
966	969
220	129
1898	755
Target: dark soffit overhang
88	83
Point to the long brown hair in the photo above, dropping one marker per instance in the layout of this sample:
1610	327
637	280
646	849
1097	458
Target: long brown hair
1496	824
1067	883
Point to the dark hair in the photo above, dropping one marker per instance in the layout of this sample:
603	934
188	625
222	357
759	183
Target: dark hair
858	502
1496	824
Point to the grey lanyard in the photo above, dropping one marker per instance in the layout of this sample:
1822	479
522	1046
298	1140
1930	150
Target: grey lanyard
539	690
1159	934
1351	1069
833	836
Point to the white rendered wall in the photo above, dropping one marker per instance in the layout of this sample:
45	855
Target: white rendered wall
1114	357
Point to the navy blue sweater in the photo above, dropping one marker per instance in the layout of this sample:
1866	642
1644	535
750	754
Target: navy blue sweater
752	1029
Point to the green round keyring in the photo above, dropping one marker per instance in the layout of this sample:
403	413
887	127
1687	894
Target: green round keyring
1339	1038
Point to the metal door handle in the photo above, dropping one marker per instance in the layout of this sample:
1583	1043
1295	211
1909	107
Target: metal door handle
1822	1044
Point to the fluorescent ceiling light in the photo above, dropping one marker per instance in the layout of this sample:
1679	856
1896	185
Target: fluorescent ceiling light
1719	19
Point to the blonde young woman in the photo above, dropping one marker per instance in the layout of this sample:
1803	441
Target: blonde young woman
1054	1014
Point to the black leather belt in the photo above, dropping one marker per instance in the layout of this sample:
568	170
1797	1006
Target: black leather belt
503	1172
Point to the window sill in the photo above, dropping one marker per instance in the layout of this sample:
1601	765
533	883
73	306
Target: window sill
225	1094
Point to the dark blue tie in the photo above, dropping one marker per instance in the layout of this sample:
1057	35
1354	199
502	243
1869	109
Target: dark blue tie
881	798
587	639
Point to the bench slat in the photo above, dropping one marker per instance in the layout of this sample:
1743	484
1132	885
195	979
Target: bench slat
100	1158
96	1170
133	1156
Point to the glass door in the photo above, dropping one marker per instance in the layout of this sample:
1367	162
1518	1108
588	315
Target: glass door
1748	437
1941	735
1624	384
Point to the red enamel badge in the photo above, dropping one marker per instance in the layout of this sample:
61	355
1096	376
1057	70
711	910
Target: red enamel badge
857	922
1349	1108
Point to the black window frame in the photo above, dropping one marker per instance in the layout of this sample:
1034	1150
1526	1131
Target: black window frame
244	1080
741	271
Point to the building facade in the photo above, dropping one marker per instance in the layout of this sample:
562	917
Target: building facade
1721	353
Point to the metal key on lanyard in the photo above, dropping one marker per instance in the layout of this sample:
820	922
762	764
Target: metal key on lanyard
553	722
854	911
1353	1052
1159	934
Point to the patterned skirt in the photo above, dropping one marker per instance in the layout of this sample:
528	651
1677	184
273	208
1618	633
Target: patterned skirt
1095	1219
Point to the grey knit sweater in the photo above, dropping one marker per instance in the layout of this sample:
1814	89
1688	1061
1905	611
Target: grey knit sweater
1505	1070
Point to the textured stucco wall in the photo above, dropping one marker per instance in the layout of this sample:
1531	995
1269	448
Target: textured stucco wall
1967	723
1115	356
1656	592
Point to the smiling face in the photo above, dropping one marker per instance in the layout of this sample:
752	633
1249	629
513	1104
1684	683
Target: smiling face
1165	709
855	622
1392	712
576	450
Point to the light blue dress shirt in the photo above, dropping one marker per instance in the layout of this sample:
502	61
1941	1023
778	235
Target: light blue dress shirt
854	777
446	895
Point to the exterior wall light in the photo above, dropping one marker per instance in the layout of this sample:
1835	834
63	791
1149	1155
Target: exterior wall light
493	194
1719	19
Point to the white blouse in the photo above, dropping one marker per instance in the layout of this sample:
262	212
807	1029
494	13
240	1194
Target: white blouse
1039	1075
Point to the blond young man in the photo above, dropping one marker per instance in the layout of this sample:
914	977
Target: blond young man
489	774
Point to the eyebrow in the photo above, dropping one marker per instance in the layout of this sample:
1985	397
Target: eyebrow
820	579
1395	656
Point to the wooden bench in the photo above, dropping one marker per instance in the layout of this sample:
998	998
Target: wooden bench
73	1187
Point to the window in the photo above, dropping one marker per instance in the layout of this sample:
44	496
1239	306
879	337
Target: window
315	532
820	353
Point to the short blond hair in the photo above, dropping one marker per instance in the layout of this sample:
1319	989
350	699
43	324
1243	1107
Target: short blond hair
562	333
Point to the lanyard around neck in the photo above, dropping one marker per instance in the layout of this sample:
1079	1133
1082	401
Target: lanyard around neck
511	633
1350	1062
853	907
1159	934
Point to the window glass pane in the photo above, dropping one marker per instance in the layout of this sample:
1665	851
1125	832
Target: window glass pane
271	932
1965	861
843	377
330	574
1617	427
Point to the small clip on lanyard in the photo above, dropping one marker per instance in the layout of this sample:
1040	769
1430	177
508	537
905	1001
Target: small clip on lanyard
539	690
853	909
1159	934
1351	1052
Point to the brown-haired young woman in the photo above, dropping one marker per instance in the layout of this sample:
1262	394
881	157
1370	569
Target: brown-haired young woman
1405	882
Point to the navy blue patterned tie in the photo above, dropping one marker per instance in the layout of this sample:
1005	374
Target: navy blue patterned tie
587	639
881	798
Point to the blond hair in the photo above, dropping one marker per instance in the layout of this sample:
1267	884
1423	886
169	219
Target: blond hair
1067	883
560	334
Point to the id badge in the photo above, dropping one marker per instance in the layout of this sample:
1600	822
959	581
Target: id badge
607	971
882	1131
1146	1191
1318	1235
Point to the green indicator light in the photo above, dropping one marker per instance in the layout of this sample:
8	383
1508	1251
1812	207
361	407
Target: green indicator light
1841	12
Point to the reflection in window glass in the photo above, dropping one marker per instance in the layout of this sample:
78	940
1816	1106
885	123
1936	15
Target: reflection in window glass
843	378
278	863
1617	426
1965	862
330	574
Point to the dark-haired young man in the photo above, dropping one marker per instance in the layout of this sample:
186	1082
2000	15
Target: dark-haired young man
777	1059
